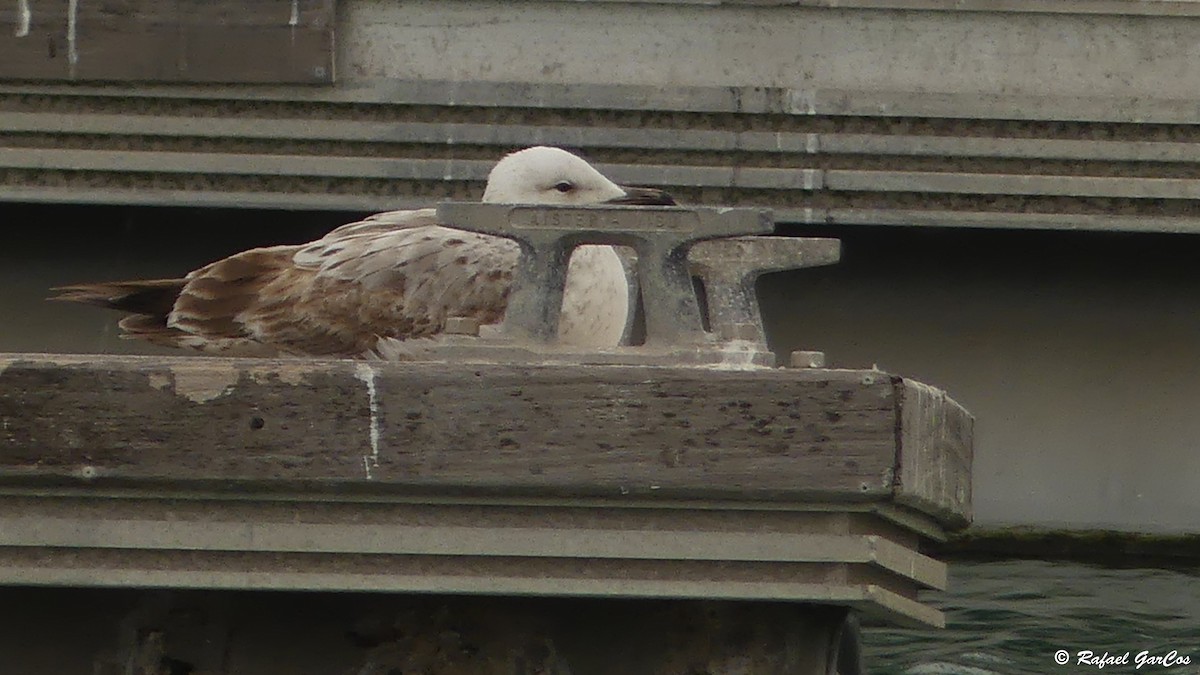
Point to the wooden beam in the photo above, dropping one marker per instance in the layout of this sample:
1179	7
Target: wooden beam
460	428
935	462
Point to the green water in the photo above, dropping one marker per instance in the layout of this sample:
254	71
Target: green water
1009	618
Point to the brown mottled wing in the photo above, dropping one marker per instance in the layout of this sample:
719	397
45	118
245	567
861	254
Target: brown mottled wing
208	314
427	272
394	275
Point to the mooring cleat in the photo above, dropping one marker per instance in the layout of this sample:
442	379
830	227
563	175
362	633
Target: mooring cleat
672	244
729	268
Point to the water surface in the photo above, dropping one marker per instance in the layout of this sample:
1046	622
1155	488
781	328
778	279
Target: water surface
1009	618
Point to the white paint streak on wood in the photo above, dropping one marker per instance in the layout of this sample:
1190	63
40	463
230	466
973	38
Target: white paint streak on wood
24	16
367	374
294	20
72	35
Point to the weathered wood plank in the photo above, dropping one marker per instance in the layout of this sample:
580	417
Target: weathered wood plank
578	431
262	41
446	425
935	453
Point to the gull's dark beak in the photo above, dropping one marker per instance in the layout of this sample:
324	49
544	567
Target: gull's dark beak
640	196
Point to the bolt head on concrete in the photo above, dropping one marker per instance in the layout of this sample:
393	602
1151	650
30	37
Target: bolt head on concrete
806	359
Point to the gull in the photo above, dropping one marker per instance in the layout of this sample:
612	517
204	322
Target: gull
391	278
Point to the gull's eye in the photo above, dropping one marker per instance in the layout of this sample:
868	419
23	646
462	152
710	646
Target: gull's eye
564	186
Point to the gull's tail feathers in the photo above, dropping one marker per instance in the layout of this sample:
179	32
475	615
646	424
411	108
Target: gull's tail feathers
147	303
149	297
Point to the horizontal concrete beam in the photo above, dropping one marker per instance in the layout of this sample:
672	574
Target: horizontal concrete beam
736	99
243	165
483	576
992	184
735	177
989	220
509	135
898	61
803	216
37	530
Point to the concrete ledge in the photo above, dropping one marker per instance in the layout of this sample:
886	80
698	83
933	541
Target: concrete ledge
530	550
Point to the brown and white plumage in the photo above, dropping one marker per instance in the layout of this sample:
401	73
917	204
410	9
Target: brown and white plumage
395	275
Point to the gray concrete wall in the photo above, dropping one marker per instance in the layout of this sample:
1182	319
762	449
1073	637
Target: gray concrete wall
1004	53
1075	351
